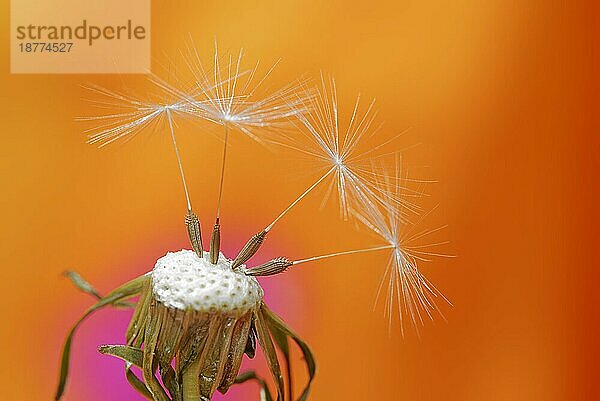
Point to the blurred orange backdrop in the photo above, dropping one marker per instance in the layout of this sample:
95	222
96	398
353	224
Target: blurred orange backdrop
499	96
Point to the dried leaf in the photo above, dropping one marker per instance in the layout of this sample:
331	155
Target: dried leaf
266	343
169	378
132	356
83	285
86	287
265	394
239	339
280	330
127	290
282	342
137	384
190	375
251	344
216	358
135	330
149	362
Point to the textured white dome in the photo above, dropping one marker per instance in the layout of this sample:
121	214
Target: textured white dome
183	281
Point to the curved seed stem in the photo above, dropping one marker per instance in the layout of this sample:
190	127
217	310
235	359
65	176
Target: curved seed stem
222	171
185	189
313	186
331	255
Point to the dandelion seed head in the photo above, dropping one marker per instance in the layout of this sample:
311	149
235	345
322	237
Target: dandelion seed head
336	149
228	92
408	291
130	114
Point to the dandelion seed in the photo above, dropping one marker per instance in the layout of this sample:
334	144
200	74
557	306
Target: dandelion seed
134	115
414	295
318	136
231	97
335	150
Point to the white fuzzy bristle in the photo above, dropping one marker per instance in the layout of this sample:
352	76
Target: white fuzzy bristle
182	280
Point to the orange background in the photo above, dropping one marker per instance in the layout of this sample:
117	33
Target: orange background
500	97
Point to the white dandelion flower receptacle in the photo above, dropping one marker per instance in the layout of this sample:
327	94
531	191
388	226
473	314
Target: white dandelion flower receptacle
182	280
